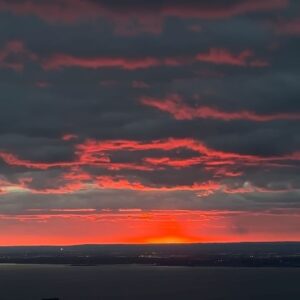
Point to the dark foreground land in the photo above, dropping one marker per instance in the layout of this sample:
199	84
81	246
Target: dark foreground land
223	255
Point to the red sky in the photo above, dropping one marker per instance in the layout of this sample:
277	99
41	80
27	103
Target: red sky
149	121
59	227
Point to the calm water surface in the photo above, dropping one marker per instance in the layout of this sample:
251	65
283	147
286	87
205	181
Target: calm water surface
34	282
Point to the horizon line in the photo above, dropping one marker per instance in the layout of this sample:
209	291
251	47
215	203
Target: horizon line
153	244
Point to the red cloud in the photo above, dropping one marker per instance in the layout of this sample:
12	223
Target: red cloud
131	18
175	163
97	154
12	54
64	60
225	57
223	172
248	187
83	159
85	181
120	183
77	175
290	27
211	10
12	160
60	189
215	56
68	137
71	10
139	84
181	111
91	148
61	10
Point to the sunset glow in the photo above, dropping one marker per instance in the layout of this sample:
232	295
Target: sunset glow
138	227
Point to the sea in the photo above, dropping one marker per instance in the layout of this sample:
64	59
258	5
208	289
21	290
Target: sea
132	282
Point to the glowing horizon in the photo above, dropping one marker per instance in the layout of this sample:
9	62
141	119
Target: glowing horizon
146	227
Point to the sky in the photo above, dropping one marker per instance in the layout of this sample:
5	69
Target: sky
131	121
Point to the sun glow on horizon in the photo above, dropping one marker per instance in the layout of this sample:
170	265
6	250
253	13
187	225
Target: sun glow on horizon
76	226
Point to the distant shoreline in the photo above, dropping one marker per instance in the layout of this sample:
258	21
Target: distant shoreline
152	244
285	254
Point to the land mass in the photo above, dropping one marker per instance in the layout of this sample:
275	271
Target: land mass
285	254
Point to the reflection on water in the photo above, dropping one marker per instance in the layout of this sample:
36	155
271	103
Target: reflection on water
36	282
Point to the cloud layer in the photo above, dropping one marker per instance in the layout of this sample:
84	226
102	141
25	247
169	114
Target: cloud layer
181	108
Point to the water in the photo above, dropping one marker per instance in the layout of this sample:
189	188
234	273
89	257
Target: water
34	282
